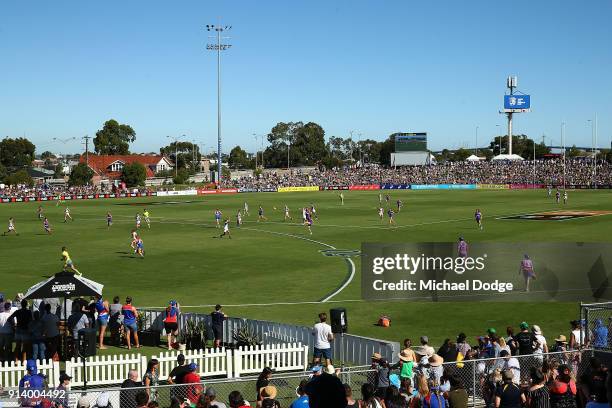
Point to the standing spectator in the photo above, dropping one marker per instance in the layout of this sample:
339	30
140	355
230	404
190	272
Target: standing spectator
6	332
368	397
576	338
563	389
194	388
462	345
130	322
537	394
115	321
350	401
323	336
457	396
31	383
54	304
102	307
263	380
525	341
51	332
600	335
436	370
541	347
23	317
326	391
434	398
302	400
177	376
381	366
151	379
36	330
128	393
268	397
508	395
429	351
171	322
510	340
406	365
217	318
211	398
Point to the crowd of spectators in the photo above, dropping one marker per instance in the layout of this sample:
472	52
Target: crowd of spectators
547	172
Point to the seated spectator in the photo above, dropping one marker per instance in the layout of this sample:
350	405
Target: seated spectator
142	399
326	391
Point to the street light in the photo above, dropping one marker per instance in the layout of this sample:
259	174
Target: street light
218	47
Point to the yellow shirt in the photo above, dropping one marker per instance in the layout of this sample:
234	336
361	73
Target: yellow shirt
66	257
146	214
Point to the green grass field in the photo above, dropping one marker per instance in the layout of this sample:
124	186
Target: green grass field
277	262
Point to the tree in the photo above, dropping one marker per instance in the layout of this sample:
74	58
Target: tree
521	145
182	176
80	175
19	177
461	154
303	143
16	152
58	172
573	152
182	153
114	138
387	147
47	155
238	158
134	175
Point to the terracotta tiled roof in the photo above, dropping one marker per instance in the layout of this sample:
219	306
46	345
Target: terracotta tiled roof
100	163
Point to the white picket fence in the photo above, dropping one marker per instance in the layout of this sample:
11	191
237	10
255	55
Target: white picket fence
113	369
11	372
280	357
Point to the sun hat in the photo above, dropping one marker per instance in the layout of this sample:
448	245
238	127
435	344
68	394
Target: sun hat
316	369
404	355
83	402
330	369
424	339
422	351
376	356
524	326
561	339
536	329
436	360
269	391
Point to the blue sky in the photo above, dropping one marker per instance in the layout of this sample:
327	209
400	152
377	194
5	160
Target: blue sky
375	67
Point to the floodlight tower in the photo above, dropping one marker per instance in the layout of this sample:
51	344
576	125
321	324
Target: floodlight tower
219	29
511	83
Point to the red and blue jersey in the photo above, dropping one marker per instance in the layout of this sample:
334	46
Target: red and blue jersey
129	317
101	309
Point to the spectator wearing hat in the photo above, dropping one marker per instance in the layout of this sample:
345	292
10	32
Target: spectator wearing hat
211	398
406	364
194	388
268	397
526	341
32	380
429	351
541	346
217	318
63	388
323	336
382	368
508	394
171	322
263	380
436	371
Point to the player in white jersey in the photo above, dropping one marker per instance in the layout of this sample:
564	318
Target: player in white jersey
134	240
549	192
246	208
381	213
304	210
238	219
565	197
67	215
11	227
138	220
226	230
287	215
379	198
313	211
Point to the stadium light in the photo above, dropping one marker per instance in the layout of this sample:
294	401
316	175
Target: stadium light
500	139
218	47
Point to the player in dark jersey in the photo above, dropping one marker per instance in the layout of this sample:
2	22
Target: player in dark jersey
46	226
478	218
109	219
308	221
391	215
260	214
462	248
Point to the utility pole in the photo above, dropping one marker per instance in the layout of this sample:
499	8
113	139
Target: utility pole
218	47
476	147
563	144
87	137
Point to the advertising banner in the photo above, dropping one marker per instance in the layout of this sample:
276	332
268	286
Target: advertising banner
297	189
443	186
493	186
365	187
395	186
525	186
176	193
450	271
325	188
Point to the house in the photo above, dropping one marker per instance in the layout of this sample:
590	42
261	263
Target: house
110	166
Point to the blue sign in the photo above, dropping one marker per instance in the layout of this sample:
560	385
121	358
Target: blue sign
395	186
516	102
442	186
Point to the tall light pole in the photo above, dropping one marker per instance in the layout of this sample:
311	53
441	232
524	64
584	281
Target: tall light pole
563	144
499	134
593	145
218	47
476	146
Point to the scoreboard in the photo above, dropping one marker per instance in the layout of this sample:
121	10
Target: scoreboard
410	142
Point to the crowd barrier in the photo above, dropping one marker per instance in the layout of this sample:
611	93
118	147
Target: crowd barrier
219	191
175	193
387	186
493	186
365	187
297	188
326	188
77	197
443	186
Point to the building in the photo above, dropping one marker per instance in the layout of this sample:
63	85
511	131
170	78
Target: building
109	167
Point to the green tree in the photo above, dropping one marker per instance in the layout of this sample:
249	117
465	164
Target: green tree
16	152
134	175
114	138
47	155
573	152
521	145
3	172
19	177
182	153
238	158
461	154
80	175
58	172
387	147
182	176
303	143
